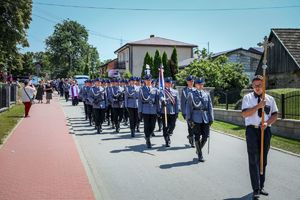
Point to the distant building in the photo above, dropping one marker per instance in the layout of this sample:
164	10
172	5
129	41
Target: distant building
111	68
249	58
131	55
283	59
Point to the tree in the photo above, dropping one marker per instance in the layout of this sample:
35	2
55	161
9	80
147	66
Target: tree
218	73
174	64
167	70
126	74
156	64
15	17
147	61
69	48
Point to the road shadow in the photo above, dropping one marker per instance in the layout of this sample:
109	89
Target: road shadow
85	134
141	148
246	197
122	137
163	148
179	164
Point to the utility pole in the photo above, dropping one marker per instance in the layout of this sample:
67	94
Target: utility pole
208	47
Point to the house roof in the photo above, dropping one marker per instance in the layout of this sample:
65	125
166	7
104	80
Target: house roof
156	41
256	50
186	62
290	39
105	64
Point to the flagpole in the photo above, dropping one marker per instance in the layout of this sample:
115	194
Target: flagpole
162	86
265	44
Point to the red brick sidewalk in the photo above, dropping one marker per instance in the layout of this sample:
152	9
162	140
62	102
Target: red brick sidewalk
40	159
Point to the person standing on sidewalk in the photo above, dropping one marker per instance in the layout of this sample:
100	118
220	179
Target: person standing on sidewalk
199	114
40	92
66	88
27	97
252	108
184	96
74	91
49	91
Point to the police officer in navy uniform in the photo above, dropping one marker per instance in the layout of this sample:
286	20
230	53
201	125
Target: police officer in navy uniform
116	98
131	104
137	83
199	114
159	116
100	102
89	101
109	114
125	111
83	96
169	101
184	96
148	107
252	108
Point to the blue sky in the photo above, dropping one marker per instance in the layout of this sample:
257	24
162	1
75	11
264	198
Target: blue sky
224	30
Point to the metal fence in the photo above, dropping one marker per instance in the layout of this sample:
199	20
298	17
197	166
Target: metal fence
8	95
288	104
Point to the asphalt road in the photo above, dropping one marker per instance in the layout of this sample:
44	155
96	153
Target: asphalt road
122	168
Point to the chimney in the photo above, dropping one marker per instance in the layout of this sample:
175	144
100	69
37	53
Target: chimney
151	36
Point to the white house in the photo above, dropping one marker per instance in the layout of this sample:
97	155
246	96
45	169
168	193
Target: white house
131	55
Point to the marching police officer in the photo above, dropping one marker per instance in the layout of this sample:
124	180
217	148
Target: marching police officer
89	101
99	96
109	113
148	107
184	96
252	108
116	98
170	106
124	85
131	104
137	83
199	114
83	96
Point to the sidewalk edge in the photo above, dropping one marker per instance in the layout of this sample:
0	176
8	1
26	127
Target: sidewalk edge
274	148
10	133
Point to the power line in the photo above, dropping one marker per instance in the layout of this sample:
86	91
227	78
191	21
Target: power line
92	32
167	9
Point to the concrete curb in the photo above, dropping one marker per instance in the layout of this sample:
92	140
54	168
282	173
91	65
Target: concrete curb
274	148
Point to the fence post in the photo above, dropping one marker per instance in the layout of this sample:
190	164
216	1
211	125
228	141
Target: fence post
282	106
226	96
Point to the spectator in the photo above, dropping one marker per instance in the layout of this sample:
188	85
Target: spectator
49	92
74	91
27	97
40	92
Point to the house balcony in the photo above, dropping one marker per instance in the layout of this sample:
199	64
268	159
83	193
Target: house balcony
121	65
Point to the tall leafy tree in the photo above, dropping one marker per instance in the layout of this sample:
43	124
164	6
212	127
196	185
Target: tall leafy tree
217	72
156	64
68	47
15	17
167	70
174	63
147	60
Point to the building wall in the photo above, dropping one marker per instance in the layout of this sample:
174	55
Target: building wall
249	61
139	52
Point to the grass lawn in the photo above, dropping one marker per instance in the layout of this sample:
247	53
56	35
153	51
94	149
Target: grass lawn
276	141
9	119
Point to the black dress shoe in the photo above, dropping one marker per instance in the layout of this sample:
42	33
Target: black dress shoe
137	130
264	192
153	135
255	195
